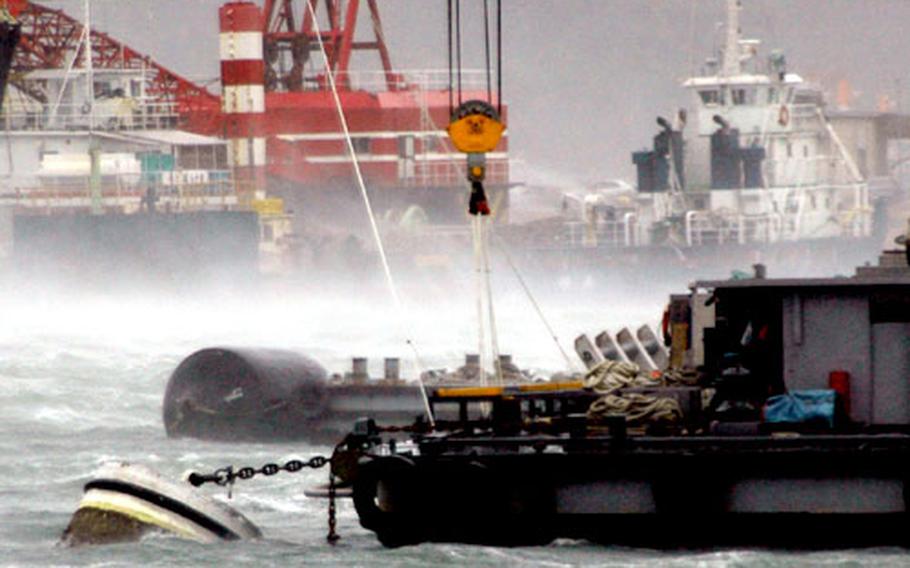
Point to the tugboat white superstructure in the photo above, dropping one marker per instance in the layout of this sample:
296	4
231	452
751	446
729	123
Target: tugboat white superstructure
752	165
764	164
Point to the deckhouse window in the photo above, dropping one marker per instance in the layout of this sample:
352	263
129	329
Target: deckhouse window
773	95
361	144
711	97
741	96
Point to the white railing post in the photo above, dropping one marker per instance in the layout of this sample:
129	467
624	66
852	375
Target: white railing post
629	223
690	215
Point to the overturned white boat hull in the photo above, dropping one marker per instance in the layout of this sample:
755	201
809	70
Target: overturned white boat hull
124	502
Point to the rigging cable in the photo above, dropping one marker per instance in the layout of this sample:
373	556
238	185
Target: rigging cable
478	206
458	45
369	207
498	57
478	269
505	251
486	48
451	78
494	340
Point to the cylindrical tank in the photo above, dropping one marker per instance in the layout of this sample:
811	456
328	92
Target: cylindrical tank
245	394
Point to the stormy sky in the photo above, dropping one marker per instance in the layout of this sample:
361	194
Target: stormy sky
584	79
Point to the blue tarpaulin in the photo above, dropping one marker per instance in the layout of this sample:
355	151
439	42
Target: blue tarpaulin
801	406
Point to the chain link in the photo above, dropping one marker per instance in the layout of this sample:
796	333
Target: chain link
226	475
332	537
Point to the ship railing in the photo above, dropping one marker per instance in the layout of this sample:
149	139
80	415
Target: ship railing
462	231
218	194
622	232
803	111
709	227
112	115
847	203
704	227
409	79
449	173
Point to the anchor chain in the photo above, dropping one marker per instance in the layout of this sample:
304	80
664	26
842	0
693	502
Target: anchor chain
332	537
227	475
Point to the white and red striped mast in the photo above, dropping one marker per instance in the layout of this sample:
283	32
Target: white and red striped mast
243	94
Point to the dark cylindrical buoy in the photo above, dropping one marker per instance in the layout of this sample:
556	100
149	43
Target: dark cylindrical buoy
244	394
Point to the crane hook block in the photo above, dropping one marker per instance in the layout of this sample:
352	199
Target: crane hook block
475	127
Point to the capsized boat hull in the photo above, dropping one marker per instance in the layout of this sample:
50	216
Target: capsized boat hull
124	502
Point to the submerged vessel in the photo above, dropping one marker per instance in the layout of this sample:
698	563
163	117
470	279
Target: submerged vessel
782	419
125	502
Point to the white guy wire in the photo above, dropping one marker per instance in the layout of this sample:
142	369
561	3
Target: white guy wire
366	200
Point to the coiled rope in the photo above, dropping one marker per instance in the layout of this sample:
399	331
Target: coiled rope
610	377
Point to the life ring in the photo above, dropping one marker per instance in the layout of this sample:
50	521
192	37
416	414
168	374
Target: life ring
783	117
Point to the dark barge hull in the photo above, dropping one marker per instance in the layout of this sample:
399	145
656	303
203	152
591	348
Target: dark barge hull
806	492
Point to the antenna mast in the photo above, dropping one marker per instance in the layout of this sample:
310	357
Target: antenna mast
731	63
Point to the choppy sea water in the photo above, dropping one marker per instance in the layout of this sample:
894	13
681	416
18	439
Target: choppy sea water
82	381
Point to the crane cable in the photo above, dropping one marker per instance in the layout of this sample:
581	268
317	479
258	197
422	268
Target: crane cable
480	237
454	53
366	200
524	286
484	239
470	112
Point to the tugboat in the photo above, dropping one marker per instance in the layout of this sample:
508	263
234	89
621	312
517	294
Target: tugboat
783	419
752	168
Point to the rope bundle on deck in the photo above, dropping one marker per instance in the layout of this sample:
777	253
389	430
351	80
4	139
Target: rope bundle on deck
609	378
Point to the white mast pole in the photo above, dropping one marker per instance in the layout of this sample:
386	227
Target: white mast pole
731	66
89	70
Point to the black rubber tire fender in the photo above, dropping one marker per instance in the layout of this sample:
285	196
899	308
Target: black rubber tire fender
371	471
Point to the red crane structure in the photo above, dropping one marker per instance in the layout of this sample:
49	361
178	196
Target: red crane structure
290	41
285	123
51	39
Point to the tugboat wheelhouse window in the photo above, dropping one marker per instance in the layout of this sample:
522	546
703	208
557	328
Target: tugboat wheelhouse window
742	96
711	97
